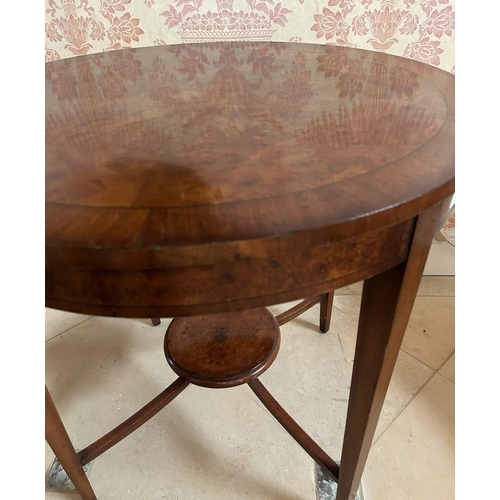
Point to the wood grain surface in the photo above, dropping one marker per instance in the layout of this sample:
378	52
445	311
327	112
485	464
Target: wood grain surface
241	184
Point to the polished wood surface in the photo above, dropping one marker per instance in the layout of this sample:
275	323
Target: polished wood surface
325	315
386	304
298	309
214	179
325	312
248	166
222	350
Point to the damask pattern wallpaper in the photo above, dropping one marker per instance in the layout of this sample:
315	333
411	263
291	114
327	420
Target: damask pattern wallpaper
418	29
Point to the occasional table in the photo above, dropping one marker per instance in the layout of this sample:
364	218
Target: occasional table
205	182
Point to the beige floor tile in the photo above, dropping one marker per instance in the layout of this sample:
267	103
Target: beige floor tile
449	235
213	444
57	322
430	286
347	329
448	370
407	380
414	458
441	260
430	336
279	308
437	286
300	391
355	289
311	378
434	286
208	444
410	375
348	304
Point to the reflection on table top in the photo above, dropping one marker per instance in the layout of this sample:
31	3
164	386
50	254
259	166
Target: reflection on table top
191	144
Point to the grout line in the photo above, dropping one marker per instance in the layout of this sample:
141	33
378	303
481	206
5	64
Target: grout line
355	318
420	361
404	408
437	296
341	346
446	361
441	367
68	329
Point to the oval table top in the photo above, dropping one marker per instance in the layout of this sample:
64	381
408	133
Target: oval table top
166	164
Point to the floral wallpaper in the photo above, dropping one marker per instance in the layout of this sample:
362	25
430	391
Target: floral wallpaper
418	29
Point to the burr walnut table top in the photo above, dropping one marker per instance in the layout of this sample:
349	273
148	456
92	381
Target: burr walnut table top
222	350
191	179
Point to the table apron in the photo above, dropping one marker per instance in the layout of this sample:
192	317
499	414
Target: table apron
292	272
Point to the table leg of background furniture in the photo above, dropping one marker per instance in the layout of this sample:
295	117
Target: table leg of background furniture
386	305
325	312
303	306
59	441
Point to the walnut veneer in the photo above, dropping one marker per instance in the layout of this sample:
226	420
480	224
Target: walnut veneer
189	180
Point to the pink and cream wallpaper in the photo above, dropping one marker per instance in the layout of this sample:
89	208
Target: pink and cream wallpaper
418	29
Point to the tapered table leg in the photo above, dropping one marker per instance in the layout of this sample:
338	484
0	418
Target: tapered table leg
386	305
59	441
325	311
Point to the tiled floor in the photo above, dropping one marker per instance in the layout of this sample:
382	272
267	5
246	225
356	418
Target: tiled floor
222	444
